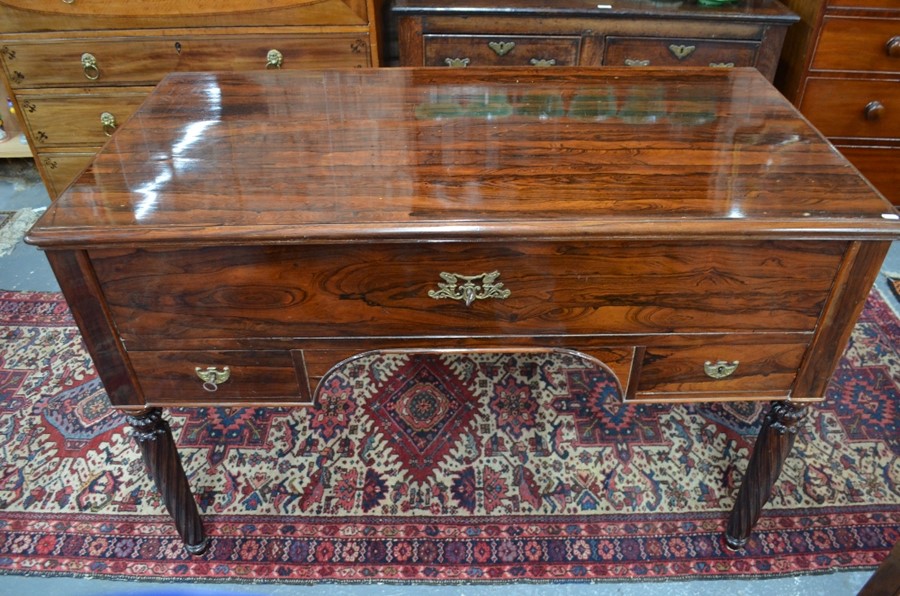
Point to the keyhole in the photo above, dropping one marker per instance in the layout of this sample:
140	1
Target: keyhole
178	47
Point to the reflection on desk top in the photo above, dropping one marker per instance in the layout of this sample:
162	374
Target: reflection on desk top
444	154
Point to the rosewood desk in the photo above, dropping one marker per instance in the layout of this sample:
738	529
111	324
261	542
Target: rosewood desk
243	233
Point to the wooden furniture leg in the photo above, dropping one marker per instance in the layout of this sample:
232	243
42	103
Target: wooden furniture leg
776	438
154	437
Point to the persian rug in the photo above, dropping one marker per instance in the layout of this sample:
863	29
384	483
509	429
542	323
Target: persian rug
462	468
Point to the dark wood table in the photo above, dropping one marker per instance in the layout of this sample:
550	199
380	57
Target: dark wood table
243	233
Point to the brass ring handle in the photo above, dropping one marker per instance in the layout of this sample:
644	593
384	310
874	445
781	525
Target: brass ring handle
274	59
892	47
109	123
68	1
212	377
456	62
89	66
874	110
720	369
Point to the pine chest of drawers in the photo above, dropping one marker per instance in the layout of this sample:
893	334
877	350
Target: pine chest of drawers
569	32
685	229
841	66
78	69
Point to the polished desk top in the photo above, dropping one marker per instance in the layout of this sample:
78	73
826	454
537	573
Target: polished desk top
427	154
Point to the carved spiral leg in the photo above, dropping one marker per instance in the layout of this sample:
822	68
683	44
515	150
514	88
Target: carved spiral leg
154	437
776	437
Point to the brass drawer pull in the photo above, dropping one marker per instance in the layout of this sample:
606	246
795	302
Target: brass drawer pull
874	110
274	59
68	1
892	47
636	62
680	51
456	62
722	64
212	377
502	48
720	369
109	123
543	63
465	288
89	66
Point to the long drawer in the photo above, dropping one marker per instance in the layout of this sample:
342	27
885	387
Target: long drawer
853	108
500	50
858	44
651	51
879	165
465	289
145	60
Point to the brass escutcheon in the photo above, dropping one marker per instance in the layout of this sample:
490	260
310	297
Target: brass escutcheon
89	66
681	51
719	369
465	288
502	48
212	377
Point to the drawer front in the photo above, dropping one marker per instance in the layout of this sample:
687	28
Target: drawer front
223	377
880	166
60	169
766	366
497	50
651	51
859	45
408	290
863	4
134	61
853	108
59	120
86	15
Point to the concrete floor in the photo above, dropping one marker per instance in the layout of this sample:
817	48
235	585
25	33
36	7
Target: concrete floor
26	269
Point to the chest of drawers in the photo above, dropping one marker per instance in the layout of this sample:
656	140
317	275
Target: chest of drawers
684	228
77	70
565	33
841	66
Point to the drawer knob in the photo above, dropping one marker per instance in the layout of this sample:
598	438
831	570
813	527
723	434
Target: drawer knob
456	62
874	110
892	47
542	63
469	288
89	66
719	369
502	48
274	59
108	121
212	377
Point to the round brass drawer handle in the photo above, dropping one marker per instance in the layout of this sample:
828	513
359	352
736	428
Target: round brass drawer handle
274	59
874	110
720	369
892	47
89	66
108	121
68	1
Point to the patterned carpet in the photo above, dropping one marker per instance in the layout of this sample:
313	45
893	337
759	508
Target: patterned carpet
471	468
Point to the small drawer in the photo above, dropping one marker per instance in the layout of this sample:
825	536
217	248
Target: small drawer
853	108
85	118
653	51
855	45
764	366
498	50
244	376
879	165
60	169
135	61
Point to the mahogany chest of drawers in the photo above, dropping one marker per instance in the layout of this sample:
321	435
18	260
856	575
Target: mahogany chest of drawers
841	66
570	32
687	229
78	69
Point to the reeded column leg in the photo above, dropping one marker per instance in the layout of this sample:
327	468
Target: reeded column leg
776	438
154	437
